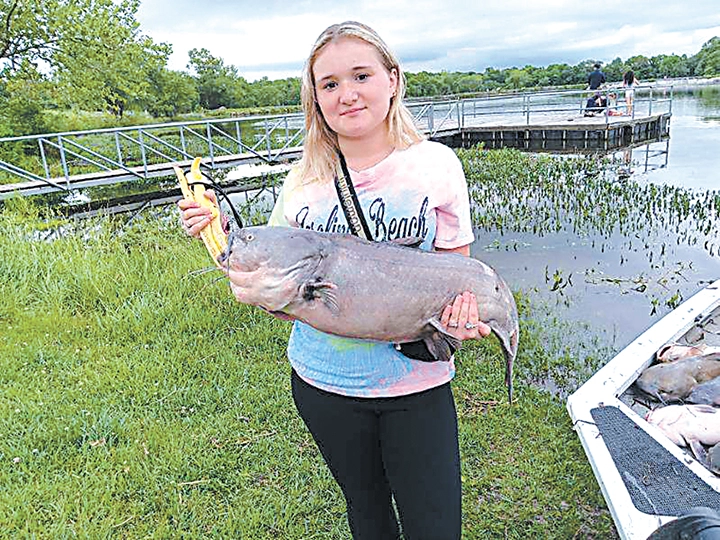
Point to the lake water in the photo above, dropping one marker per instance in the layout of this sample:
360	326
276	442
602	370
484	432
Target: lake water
694	145
613	288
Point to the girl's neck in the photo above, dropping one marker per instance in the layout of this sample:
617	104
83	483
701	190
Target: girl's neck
363	154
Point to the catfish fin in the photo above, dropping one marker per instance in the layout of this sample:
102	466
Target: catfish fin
329	298
440	343
441	346
279	314
704	408
408	241
698	450
323	291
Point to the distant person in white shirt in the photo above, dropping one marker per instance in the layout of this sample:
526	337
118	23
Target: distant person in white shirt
629	84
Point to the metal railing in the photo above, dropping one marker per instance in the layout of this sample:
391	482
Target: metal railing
142	152
545	107
147	151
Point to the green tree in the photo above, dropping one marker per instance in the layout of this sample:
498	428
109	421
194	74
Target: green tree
615	70
533	74
518	78
708	59
558	75
216	82
421	84
494	77
292	90
92	49
267	93
470	82
243	94
23	99
444	83
118	79
171	93
641	66
273	93
672	65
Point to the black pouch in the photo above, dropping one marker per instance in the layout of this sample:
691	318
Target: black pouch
417	350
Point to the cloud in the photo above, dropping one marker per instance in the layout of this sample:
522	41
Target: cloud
272	38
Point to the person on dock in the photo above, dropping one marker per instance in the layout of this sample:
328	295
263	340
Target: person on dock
630	82
384	421
596	78
595	104
612	104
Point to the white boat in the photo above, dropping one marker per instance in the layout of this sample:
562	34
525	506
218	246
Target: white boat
646	479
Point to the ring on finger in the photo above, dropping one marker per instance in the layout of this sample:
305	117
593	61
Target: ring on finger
452	324
470	326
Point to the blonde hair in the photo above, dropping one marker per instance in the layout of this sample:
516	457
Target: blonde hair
320	147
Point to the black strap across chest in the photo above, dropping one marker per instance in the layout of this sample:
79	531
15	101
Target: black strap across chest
349	201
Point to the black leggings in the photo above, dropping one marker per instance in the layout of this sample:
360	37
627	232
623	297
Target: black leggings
379	448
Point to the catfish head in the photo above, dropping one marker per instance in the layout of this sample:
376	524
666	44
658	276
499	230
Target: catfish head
277	261
665	384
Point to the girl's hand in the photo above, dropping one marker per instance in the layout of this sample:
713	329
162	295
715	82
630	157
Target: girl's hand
193	217
461	319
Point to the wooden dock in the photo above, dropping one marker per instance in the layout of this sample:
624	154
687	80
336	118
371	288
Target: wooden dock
560	133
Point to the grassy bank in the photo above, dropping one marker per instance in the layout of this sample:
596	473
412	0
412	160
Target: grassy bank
140	401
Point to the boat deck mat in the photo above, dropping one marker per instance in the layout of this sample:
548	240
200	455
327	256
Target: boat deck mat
658	483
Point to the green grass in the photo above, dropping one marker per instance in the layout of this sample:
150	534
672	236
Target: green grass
140	401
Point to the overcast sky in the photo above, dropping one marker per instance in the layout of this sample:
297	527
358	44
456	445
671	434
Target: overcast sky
273	37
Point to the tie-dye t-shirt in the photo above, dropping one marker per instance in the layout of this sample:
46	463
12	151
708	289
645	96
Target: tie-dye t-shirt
420	191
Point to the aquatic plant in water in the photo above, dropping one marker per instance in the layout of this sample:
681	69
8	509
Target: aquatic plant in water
542	194
514	192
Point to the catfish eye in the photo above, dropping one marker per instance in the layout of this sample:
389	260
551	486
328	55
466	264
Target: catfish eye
250	237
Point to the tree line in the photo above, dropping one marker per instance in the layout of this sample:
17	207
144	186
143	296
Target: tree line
58	57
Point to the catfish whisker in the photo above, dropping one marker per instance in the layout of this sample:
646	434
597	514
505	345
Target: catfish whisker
218	278
202	271
211	282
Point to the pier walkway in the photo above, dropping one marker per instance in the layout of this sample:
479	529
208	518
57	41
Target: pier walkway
541	121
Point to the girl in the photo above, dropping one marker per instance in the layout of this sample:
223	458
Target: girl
385	423
629	83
